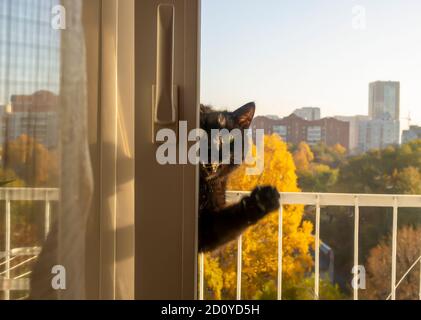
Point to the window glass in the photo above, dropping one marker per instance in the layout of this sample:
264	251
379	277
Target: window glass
336	92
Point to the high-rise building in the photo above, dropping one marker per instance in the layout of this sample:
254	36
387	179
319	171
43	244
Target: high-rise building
384	111
384	100
308	113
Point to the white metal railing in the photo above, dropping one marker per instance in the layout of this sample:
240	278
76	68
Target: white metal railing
328	199
21	282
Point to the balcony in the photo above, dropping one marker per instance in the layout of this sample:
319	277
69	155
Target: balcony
14	275
319	200
13	259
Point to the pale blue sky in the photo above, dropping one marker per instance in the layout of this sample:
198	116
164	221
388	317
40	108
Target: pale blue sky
289	54
29	48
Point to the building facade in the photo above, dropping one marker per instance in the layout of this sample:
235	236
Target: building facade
382	126
35	116
413	133
294	129
308	113
378	134
354	130
384	100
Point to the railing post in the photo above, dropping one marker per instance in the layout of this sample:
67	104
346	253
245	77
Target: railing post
419	294
201	275
47	222
239	265
7	245
317	251
394	245
280	254
356	244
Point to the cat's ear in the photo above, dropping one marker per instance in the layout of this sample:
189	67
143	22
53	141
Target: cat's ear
244	115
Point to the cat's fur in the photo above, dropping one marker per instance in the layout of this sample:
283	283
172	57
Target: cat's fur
219	223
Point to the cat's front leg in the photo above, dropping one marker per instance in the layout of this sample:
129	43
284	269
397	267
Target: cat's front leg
222	226
262	201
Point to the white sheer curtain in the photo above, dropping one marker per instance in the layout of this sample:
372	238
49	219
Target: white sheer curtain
65	245
46	181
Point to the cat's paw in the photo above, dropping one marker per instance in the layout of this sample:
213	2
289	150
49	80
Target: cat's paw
266	199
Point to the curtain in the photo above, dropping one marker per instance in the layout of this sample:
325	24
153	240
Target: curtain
46	182
66	244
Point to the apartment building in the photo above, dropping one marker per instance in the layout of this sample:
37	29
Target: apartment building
294	129
33	115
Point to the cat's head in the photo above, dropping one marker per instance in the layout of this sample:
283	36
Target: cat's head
211	119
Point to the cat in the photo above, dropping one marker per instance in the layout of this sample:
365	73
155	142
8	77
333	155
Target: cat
218	222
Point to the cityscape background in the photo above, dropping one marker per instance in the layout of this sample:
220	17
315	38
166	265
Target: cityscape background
286	55
29	71
377	129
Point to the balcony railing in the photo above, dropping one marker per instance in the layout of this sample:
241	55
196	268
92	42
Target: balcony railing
328	199
46	195
13	258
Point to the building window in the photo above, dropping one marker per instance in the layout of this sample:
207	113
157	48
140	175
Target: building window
281	131
314	134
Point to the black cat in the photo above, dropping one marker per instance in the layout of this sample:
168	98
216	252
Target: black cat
219	223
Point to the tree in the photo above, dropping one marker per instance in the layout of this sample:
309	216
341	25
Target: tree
393	170
32	162
314	176
320	178
303	156
332	156
379	266
24	217
260	243
302	290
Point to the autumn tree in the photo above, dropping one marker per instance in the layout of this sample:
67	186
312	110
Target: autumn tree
316	174
32	161
303	156
379	266
393	170
260	243
332	156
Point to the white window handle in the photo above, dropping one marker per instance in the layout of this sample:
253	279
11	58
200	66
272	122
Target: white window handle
165	92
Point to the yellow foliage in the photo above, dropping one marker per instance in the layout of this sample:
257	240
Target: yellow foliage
260	243
339	149
32	161
303	157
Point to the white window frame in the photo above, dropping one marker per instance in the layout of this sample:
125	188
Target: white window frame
143	229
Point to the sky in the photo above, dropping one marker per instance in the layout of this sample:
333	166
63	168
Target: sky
29	48
289	54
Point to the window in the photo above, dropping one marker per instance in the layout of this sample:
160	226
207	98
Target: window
314	134
281	131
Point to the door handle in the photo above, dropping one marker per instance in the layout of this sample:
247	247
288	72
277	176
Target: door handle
165	93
